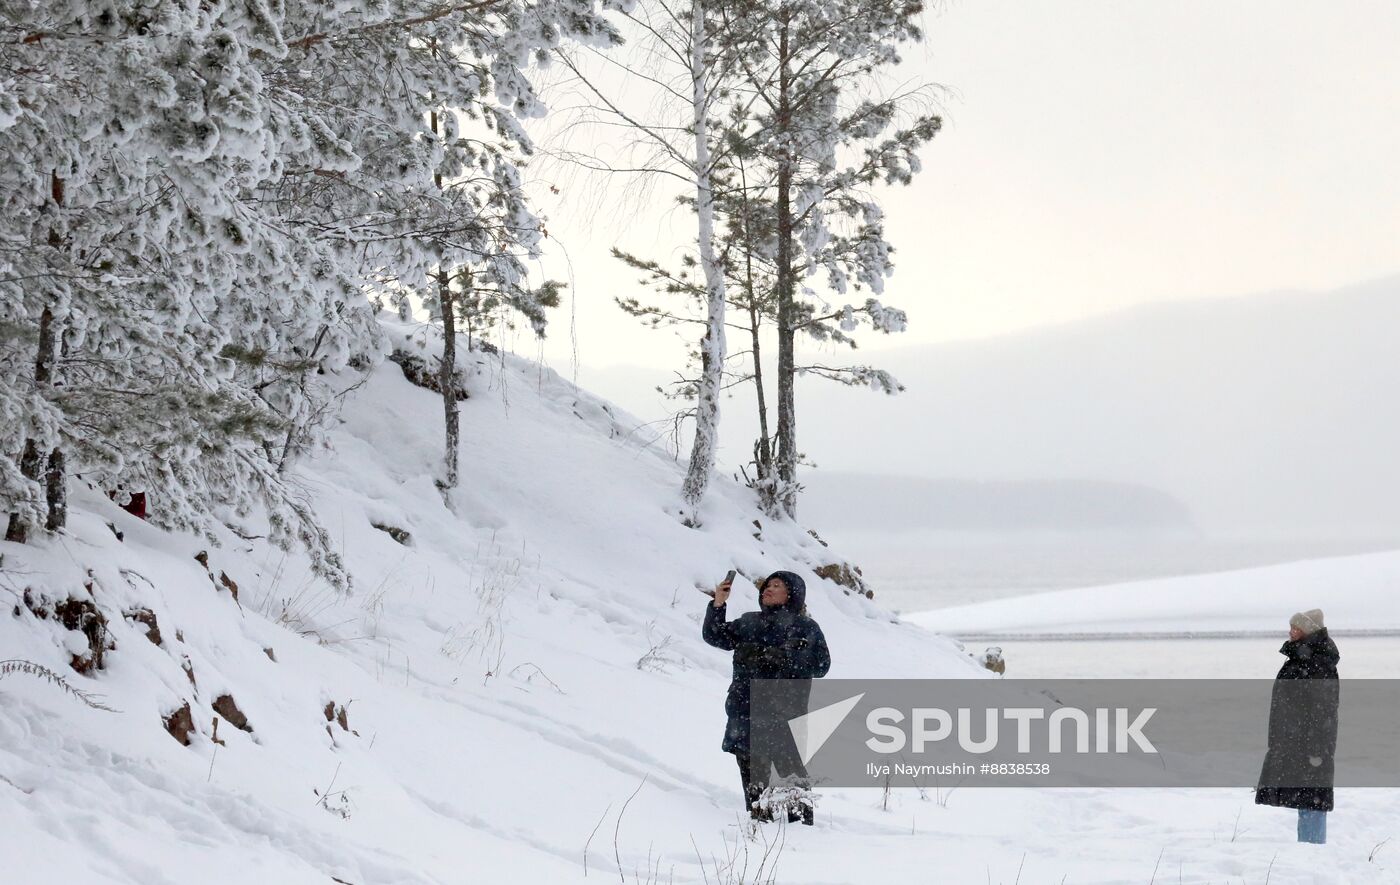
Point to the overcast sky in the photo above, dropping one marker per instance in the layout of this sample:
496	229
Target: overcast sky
1095	155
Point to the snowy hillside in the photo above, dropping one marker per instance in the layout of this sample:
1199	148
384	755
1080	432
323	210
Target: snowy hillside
515	691
490	664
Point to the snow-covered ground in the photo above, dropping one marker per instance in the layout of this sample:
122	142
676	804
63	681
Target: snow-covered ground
527	696
1358	594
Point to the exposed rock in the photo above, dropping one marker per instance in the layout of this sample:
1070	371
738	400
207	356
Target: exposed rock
337	714
418	372
230	584
393	531
83	615
271	656
180	724
846	575
225	707
38	604
992	660
147	618
188	667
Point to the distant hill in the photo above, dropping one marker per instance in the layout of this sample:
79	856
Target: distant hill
904	502
1273	411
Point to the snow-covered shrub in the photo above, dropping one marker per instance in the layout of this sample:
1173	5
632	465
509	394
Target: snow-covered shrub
660	655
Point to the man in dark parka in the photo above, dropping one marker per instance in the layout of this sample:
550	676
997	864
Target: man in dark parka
1298	768
780	641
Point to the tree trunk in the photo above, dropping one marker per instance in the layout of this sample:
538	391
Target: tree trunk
447	371
787	413
56	491
447	377
55	480
763	446
55	488
30	465
702	453
43	362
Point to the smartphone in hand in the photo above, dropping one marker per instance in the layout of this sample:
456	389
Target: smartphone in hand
728	579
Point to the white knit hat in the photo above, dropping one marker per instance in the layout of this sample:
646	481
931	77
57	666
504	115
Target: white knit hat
1309	621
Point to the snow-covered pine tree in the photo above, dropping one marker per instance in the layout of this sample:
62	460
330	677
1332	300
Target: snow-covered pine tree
484	307
233	181
808	67
161	276
428	100
750	262
840	146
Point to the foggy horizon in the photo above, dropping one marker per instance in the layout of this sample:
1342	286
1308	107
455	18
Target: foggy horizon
1263	414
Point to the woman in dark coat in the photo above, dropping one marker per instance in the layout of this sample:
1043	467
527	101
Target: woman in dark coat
780	641
1298	768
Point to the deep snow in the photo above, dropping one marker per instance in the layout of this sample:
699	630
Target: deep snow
524	679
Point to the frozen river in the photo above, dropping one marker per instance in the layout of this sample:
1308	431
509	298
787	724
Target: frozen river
919	571
1363	657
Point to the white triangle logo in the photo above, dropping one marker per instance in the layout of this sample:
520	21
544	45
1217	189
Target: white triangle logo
811	730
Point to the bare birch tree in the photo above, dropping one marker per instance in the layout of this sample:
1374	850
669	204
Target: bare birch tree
692	63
